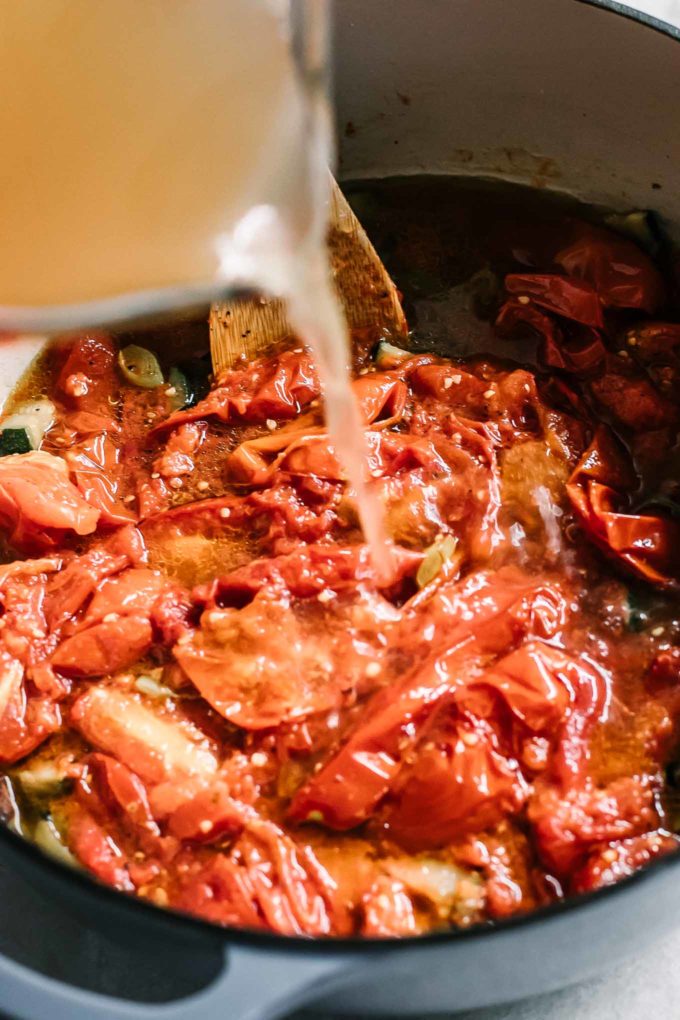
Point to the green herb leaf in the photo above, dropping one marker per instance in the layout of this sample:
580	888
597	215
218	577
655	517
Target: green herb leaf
14	441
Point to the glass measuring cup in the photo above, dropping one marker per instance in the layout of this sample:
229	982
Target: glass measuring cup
156	153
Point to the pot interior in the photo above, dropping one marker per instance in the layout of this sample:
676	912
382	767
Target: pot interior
562	95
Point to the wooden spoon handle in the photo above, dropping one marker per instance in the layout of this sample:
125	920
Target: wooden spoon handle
369	297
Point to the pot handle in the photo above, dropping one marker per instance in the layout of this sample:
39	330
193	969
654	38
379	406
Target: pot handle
255	984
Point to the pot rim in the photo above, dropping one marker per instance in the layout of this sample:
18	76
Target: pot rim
188	927
634	14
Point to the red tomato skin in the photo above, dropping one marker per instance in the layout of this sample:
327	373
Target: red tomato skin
388	910
106	647
622	275
97	850
643	544
573	299
275	388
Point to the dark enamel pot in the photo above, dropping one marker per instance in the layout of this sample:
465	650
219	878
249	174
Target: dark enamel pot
579	97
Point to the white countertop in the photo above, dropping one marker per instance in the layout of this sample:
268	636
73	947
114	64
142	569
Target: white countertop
665	10
645	987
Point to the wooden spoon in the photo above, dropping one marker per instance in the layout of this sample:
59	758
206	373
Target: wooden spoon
369	297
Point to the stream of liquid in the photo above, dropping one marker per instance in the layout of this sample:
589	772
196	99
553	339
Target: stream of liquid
318	319
317	316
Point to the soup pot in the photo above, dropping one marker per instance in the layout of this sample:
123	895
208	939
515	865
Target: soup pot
574	96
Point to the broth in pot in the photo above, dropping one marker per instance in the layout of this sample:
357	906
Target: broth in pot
210	699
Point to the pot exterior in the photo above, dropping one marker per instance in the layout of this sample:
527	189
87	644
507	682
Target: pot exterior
530	958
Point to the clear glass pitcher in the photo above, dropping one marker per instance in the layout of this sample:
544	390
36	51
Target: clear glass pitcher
156	153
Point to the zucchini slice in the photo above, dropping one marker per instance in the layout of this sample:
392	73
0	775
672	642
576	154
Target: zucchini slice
14	441
23	430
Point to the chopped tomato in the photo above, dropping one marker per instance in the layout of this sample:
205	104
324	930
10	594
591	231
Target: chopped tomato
266	388
515	316
381	399
132	591
460	782
96	849
24	722
88	433
651	339
70	588
38	503
208	816
622	275
121	790
264	658
307	571
568	827
618	859
572	298
464	777
88	376
578	354
630	398
266	881
388	910
450	383
105	647
484	624
647	545
95	464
